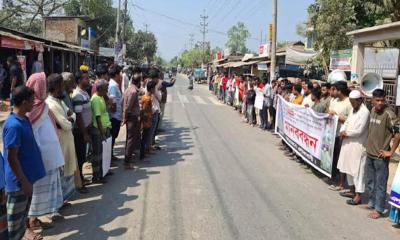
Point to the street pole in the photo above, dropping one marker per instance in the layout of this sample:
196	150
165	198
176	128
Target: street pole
117	26
117	44
125	20
204	30
191	40
261	37
274	32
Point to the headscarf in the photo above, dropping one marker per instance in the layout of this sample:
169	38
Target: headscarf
37	82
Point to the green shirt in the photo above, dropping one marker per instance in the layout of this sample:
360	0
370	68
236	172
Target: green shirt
319	107
99	109
380	132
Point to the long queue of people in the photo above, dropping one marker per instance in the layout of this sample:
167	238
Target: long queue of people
365	141
60	122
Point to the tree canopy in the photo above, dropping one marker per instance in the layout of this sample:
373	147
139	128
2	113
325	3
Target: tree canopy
237	37
332	19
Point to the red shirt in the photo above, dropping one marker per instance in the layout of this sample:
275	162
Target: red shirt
224	82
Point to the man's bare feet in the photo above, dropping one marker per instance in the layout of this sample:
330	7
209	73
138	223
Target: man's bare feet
374	214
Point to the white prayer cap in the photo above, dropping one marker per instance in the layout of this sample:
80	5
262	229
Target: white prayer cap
355	94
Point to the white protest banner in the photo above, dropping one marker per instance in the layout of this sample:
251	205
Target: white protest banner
311	135
259	102
106	155
394	199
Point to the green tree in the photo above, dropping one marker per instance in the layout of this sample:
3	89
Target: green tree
237	37
174	62
141	46
191	58
27	15
332	19
301	29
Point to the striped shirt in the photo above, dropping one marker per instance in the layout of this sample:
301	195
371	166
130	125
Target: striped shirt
81	104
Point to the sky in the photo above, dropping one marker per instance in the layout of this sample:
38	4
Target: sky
172	21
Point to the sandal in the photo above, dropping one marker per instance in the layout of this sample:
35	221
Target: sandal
347	194
39	225
352	202
335	188
30	235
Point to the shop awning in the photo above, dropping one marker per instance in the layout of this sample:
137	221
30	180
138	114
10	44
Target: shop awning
8	40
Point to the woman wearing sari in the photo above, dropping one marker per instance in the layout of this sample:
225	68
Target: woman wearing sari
47	195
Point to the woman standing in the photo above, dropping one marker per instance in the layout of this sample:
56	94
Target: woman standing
64	119
47	193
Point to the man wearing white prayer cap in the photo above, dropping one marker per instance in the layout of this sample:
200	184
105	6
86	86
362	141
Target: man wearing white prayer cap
354	133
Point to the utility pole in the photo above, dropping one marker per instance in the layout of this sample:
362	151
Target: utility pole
125	20
146	27
117	26
274	31
191	40
203	30
261	36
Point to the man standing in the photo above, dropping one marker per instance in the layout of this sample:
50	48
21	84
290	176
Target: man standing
326	95
307	87
164	96
224	82
266	105
114	93
64	119
83	111
23	164
383	129
100	130
354	135
69	86
130	117
340	107
298	98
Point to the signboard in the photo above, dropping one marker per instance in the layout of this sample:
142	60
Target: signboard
118	56
219	55
262	66
341	59
270	32
85	43
227	52
106	52
394	199
299	57
263	50
383	61
311	135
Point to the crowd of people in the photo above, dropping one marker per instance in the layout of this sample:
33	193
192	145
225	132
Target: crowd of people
62	121
366	138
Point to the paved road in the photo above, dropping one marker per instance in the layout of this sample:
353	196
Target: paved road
216	178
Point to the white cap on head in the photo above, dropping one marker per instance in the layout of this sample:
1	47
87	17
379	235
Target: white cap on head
355	94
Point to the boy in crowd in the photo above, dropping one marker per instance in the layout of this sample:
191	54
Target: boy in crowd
23	164
383	129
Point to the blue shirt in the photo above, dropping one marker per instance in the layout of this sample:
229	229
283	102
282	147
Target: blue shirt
17	133
2	180
115	93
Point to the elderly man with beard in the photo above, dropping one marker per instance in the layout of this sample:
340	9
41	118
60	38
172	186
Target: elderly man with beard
354	134
130	117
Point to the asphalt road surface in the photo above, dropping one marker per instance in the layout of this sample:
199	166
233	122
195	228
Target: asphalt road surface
216	178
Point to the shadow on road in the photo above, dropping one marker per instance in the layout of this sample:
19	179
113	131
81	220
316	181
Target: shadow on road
94	215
